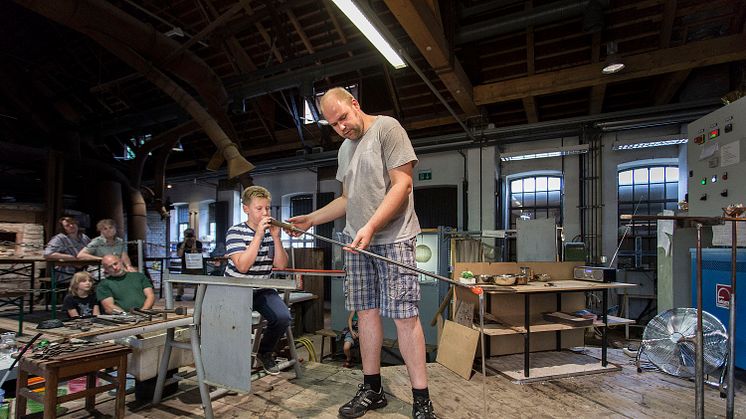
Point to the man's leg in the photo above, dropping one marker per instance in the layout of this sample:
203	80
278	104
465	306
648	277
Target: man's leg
412	348
370	331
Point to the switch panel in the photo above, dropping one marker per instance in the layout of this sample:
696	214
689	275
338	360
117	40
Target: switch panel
714	155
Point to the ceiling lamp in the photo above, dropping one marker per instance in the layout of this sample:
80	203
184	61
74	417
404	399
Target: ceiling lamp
613	63
350	9
544	153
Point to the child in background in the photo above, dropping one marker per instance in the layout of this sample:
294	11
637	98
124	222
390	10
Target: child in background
81	299
350	338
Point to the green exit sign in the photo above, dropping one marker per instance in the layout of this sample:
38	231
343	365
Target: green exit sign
425	175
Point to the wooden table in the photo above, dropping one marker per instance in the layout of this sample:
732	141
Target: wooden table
84	362
511	321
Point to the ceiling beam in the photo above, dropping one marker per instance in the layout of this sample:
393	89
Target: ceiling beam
668	88
669	15
532	111
419	21
697	54
262	31
598	92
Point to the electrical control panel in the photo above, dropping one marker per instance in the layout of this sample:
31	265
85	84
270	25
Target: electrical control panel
717	173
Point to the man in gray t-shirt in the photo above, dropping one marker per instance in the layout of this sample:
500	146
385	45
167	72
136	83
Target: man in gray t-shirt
375	162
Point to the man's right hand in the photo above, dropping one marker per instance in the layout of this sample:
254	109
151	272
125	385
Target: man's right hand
301	222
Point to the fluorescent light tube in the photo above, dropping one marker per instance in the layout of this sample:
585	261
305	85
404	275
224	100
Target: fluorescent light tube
350	9
544	153
646	143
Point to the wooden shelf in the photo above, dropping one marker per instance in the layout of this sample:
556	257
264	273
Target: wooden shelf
545	326
615	321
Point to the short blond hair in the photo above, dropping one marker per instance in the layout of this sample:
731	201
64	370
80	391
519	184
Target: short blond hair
339	93
76	280
106	222
254	192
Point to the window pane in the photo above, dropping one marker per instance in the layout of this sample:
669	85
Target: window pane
672	174
554	199
657	174
541	199
656	208
641	176
641	192
541	184
657	190
625	177
529	184
555	184
529	200
516	185
625	194
516	201
673	206
672	191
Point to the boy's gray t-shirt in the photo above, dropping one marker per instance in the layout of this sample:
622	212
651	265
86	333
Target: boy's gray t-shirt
363	170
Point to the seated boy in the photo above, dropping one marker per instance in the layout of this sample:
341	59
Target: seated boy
253	247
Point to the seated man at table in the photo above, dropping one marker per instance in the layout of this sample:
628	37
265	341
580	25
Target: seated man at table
123	290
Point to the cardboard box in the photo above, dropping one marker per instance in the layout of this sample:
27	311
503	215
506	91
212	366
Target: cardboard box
146	354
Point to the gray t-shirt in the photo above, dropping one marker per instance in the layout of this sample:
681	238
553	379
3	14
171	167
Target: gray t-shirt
363	170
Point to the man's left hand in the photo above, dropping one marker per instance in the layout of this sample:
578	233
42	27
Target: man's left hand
362	239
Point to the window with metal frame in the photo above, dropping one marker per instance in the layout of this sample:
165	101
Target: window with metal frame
646	190
535	197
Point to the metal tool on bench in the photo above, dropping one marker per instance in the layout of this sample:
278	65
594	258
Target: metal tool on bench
181	311
120	318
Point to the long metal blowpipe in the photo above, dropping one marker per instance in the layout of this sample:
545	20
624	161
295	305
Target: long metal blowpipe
290	227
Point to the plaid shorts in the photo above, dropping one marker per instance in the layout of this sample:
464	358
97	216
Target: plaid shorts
374	283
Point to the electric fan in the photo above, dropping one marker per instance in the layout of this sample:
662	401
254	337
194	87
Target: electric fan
668	342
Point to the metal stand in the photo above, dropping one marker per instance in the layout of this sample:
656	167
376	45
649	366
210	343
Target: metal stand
195	344
699	361
699	338
731	380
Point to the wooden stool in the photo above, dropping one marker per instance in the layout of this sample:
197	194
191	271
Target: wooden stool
332	335
84	362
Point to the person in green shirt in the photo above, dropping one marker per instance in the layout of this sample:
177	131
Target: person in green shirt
121	290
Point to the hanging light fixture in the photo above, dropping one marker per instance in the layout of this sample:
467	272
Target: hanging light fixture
613	63
350	9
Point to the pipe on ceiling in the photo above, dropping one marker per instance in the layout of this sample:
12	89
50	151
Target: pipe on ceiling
518	21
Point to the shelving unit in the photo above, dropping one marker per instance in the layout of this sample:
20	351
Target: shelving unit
522	320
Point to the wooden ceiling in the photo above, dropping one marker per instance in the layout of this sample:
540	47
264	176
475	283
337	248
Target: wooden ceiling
69	82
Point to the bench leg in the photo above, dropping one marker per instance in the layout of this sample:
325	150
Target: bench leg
321	355
121	386
90	382
21	382
50	395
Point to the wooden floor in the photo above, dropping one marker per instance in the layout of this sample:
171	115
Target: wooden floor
324	387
